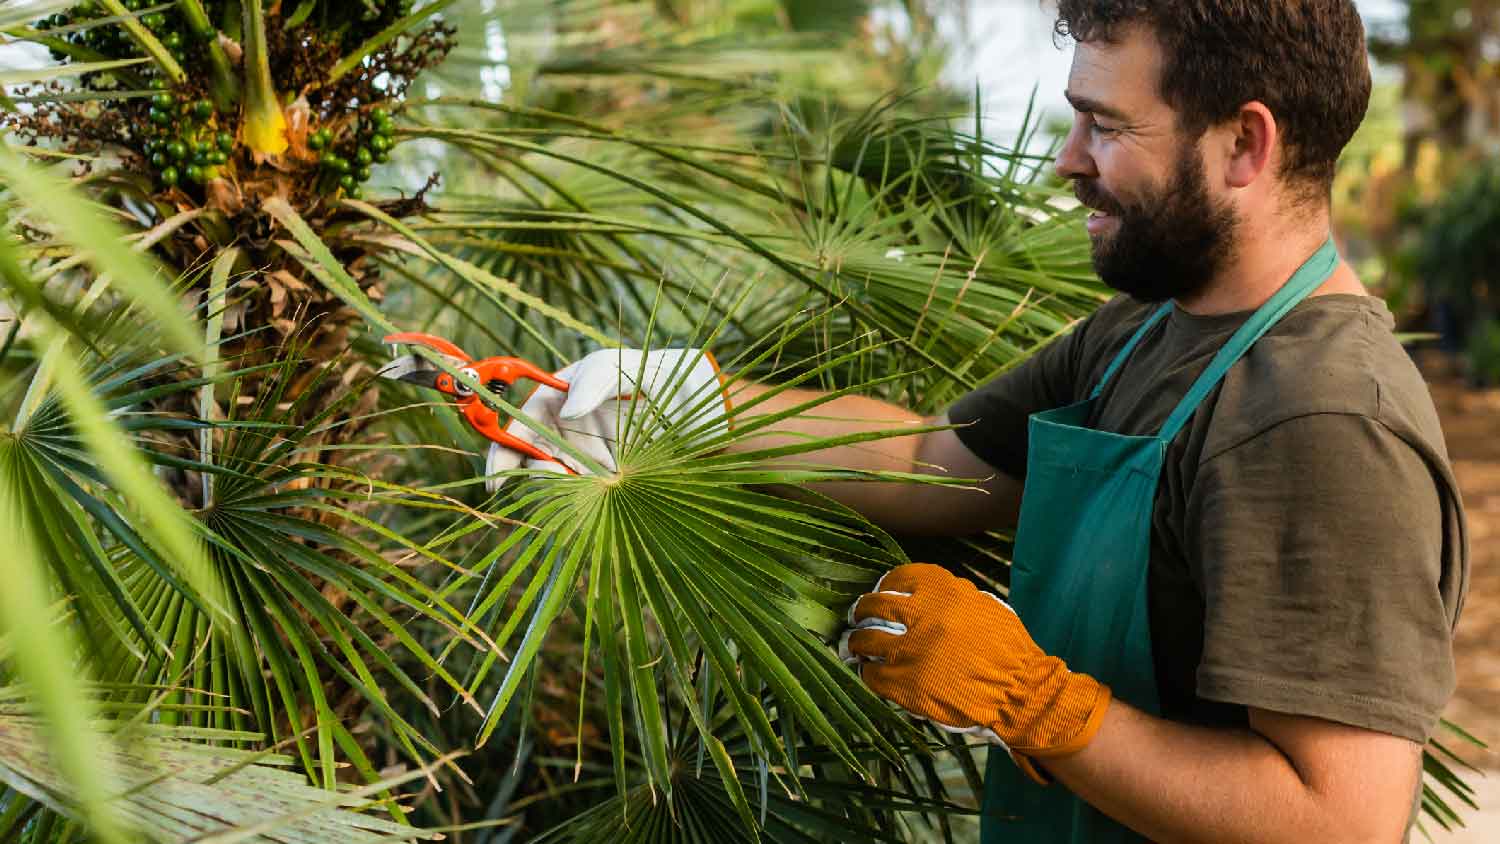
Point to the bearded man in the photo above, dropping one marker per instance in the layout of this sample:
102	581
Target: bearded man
1240	550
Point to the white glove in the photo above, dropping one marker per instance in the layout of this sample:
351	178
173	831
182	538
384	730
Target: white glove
678	386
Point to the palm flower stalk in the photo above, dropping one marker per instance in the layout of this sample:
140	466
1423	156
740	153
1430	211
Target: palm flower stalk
264	128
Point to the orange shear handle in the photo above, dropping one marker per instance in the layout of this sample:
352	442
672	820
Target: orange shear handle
419	339
511	370
487	422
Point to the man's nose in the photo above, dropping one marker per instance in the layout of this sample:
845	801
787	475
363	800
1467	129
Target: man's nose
1073	160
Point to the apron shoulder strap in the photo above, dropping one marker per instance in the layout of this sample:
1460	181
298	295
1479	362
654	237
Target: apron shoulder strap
1119	361
1309	277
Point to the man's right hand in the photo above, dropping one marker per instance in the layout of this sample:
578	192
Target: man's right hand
676	386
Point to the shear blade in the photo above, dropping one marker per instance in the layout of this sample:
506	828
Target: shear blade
411	369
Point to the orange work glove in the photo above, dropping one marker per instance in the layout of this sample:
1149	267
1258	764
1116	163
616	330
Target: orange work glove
936	646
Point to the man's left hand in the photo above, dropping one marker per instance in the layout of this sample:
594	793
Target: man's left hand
941	649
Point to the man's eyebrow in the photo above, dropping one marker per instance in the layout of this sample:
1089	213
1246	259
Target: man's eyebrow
1082	103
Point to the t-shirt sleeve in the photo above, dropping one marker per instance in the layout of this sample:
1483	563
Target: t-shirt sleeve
995	415
1322	549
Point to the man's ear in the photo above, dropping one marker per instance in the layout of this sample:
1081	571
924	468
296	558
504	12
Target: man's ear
1253	134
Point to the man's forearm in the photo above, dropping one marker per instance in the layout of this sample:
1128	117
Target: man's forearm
1177	783
838	417
897	507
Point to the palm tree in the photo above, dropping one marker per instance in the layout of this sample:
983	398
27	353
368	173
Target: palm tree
227	530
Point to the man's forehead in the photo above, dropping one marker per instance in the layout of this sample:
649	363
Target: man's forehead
1117	78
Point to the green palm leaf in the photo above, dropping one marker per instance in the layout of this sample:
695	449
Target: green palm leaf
169	785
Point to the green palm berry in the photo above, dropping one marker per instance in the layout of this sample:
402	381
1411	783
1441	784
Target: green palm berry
159	117
162	101
203	109
380	143
194	173
328	158
346	181
363	157
316	140
177	150
132	5
159	160
156	82
218	156
154	21
379	115
172	40
381	156
353	193
225	141
168	176
362	173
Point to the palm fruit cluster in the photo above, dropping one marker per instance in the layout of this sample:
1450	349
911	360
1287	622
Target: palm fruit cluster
184	141
345	162
192	128
178	34
354	21
169	26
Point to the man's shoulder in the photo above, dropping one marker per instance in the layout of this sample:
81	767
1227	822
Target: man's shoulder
1334	355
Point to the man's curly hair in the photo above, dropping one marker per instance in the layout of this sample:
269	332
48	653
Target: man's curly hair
1304	59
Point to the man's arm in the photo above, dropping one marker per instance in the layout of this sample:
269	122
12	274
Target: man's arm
935	645
1288	778
914	509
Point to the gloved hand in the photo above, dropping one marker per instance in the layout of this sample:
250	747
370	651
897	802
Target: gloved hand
676	386
941	649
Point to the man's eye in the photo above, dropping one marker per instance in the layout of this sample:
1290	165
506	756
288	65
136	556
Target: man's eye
1104	130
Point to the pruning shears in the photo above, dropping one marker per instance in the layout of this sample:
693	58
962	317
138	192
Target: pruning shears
496	374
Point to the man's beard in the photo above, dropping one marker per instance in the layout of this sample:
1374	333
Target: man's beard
1169	247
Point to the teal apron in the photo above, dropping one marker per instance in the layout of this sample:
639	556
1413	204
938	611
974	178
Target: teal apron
1083	549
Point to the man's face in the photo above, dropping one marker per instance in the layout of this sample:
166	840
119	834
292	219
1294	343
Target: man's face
1159	230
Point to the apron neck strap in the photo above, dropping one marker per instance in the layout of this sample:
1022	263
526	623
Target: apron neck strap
1119	361
1308	277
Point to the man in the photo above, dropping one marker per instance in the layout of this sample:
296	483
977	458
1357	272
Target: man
1241	554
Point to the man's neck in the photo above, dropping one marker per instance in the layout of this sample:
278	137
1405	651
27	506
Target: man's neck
1262	262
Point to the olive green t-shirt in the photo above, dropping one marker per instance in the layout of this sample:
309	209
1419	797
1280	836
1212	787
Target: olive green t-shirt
1307	546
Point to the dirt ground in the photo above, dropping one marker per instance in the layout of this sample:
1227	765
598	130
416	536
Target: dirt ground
1471	424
